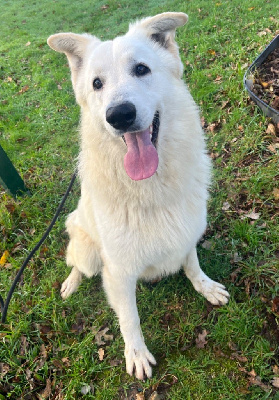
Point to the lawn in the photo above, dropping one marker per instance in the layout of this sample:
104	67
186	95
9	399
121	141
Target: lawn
54	349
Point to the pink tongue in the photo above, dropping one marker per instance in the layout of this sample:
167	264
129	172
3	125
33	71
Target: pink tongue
141	160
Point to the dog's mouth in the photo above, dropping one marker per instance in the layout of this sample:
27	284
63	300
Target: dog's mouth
141	160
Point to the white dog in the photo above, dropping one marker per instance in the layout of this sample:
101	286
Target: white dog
143	169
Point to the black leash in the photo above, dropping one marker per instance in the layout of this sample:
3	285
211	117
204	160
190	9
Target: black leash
5	304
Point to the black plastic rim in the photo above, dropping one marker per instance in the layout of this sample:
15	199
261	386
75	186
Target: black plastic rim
267	110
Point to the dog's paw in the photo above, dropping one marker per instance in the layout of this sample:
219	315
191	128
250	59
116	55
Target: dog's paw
138	362
214	292
71	284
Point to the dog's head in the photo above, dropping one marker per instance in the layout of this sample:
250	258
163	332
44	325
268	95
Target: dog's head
122	82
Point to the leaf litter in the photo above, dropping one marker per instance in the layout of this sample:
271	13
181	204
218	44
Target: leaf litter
266	80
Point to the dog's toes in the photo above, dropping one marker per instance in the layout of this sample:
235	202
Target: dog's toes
139	362
218	295
69	286
214	292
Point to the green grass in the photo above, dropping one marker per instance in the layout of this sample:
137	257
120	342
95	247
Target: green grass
48	346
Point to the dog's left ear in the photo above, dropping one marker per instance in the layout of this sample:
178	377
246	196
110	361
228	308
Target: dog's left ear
161	28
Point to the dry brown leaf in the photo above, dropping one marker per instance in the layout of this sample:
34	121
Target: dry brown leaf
252	215
101	353
273	147
24	89
23	345
115	362
4	369
200	340
276	193
275	382
155	396
254	379
275	305
102	334
66	361
139	396
10	207
271	129
226	206
46	392
239	357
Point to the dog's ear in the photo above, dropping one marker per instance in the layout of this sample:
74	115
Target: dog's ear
74	46
161	28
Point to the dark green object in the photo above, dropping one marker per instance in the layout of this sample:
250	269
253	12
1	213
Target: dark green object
9	177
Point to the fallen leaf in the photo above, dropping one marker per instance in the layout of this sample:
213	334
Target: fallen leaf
104	7
252	215
27	44
264	84
257	381
42	358
207	244
85	389
101	353
239	357
275	305
200	340
4	369
115	362
10	207
23	89
271	129
155	396
47	390
102	334
66	361
226	206
236	257
276	193
211	52
140	396
23	345
4	258
273	147
275	382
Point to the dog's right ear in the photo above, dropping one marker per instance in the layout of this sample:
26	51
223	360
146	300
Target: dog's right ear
74	46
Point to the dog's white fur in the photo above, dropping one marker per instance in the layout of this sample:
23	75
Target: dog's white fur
129	229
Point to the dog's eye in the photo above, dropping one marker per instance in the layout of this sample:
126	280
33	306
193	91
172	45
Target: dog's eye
141	70
97	84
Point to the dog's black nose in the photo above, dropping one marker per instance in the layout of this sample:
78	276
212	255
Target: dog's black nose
121	116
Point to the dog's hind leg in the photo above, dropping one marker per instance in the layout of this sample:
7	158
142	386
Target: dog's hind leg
213	291
82	254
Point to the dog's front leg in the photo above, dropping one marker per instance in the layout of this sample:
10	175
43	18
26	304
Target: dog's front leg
121	292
